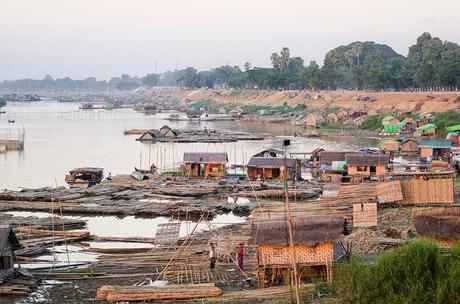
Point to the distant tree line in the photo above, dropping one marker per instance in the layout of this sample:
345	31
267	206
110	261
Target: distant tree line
430	63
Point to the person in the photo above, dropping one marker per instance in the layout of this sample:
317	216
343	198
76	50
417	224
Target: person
239	256
212	255
109	178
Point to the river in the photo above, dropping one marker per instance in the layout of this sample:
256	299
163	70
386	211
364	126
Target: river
60	137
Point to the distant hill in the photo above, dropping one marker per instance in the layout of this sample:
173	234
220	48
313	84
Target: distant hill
357	54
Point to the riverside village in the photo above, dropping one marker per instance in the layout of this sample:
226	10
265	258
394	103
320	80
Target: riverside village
280	181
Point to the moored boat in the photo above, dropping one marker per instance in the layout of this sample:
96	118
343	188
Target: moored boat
84	177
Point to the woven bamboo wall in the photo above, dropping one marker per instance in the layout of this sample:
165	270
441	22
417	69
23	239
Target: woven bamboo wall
432	191
364	215
389	192
282	256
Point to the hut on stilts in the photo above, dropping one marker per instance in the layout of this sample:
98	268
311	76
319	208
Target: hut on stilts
314	240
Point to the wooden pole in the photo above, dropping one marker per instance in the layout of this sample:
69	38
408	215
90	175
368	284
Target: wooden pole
287	205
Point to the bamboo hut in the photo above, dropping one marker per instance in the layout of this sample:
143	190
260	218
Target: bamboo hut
315	155
439	224
167	131
389	145
367	164
148	136
313	240
342	115
409	124
409	146
332	117
332	165
204	164
8	244
273	167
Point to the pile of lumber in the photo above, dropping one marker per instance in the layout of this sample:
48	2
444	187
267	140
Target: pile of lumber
14	289
115	293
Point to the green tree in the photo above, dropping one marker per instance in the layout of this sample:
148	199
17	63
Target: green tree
151	80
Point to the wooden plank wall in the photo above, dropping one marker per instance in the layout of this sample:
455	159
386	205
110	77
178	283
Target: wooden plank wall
432	191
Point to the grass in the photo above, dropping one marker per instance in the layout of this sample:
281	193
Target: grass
414	273
372	122
205	103
284	109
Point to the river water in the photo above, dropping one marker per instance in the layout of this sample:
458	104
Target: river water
60	137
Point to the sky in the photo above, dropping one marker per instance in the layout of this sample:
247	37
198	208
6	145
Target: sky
106	38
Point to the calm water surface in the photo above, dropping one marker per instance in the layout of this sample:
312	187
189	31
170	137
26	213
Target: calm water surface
60	137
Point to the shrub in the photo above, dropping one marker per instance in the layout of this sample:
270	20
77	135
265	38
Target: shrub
372	122
415	273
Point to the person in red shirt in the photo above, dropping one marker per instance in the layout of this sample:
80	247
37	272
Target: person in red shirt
239	256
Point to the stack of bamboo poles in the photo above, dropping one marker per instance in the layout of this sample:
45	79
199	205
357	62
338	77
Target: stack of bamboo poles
114	293
14	289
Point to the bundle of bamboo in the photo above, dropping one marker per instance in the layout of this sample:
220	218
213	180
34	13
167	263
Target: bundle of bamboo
114	293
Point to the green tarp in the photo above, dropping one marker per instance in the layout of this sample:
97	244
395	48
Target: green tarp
338	165
426	127
453	128
390	128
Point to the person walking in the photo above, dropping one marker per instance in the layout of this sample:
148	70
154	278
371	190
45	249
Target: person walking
239	256
212	255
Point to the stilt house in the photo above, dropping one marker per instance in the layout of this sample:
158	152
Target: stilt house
204	164
273	167
313	239
367	164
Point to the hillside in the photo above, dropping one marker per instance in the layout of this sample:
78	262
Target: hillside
385	102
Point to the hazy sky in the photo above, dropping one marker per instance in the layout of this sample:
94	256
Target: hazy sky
104	38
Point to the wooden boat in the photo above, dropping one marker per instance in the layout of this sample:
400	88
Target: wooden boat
11	121
152	170
84	177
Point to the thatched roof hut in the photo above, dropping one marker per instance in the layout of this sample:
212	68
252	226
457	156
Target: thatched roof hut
307	231
438	223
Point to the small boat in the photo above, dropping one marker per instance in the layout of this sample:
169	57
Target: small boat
139	176
152	170
11	121
2	112
87	106
84	177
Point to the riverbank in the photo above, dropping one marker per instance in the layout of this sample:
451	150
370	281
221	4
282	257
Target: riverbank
383	102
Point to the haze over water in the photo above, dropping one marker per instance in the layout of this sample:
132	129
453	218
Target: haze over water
60	137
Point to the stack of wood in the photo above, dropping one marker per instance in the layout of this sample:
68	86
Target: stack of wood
14	289
115	293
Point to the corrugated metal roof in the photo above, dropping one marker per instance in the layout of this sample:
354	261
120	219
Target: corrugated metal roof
365	159
7	234
271	162
435	143
205	157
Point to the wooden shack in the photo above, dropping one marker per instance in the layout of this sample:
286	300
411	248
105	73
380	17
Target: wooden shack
367	164
342	115
84	177
273	168
409	124
389	145
332	165
8	244
167	131
436	149
439	224
313	240
332	117
409	146
315	155
148	136
390	120
428	130
313	120
204	164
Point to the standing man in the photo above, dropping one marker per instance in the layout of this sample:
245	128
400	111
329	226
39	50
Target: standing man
212	255
239	256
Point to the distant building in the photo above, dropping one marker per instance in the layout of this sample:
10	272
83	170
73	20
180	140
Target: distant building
269	153
313	120
435	148
367	164
409	146
204	164
148	136
389	145
390	120
273	167
167	131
